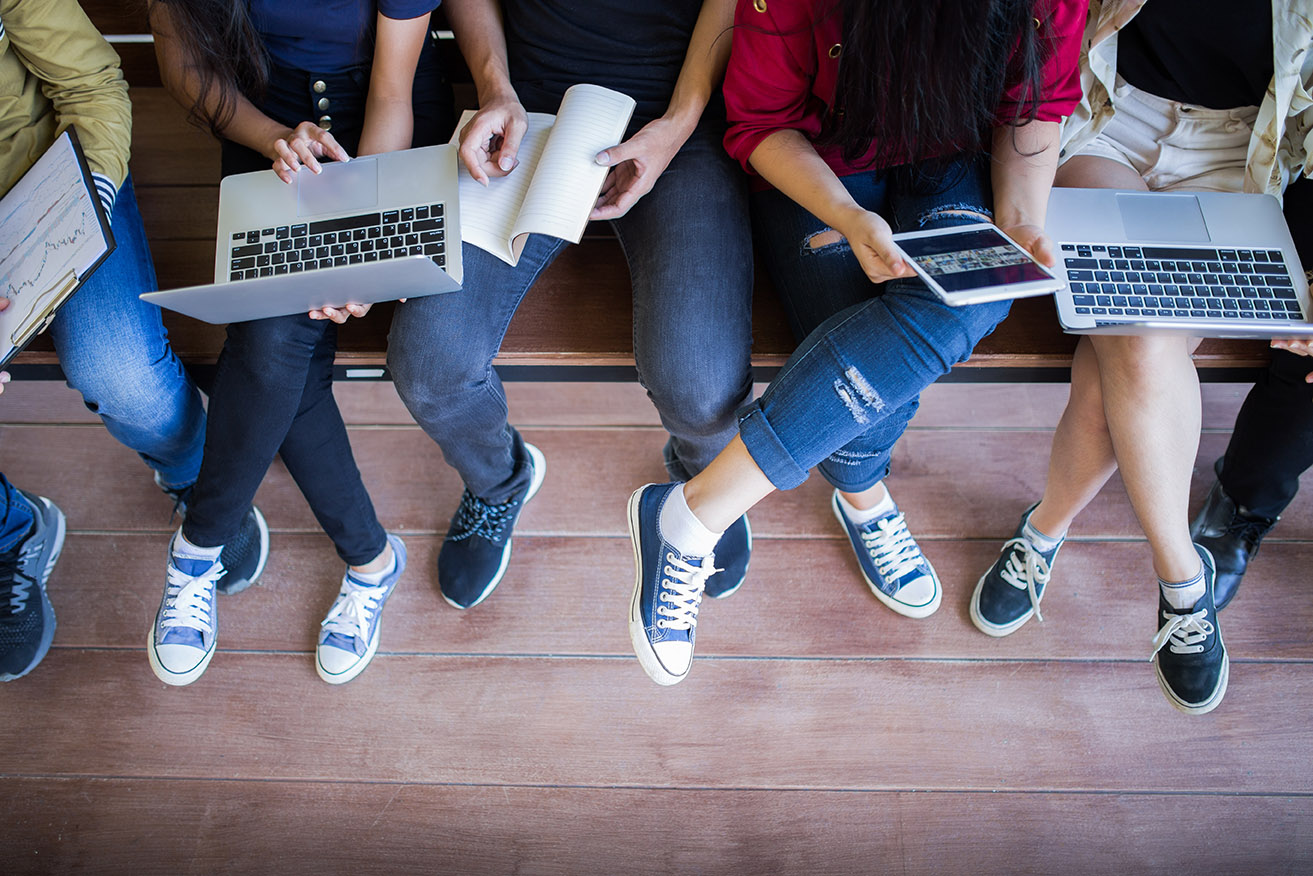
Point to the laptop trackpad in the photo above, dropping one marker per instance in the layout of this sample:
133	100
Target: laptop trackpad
1164	217
341	188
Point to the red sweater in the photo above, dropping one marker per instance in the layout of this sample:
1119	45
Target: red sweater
785	64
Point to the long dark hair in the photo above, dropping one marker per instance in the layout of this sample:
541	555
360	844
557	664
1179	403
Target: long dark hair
918	77
224	51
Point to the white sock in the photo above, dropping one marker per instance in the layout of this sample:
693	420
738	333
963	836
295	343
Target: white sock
1038	540
859	515
374	578
681	528
184	548
1184	594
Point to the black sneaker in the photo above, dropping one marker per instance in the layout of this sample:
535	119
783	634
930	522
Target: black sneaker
1189	656
245	555
27	620
477	548
1009	593
733	552
1232	535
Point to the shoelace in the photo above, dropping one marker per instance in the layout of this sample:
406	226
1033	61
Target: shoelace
681	589
354	610
1251	532
15	587
477	517
188	600
1186	632
892	548
1031	571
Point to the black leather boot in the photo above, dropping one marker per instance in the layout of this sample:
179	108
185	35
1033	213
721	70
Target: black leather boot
1232	536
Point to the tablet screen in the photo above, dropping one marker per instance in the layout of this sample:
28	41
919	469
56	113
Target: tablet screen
972	259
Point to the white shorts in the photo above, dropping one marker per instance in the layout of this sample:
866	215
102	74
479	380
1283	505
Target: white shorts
1174	145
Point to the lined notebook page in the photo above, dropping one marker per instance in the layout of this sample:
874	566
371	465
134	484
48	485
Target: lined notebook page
568	178
488	215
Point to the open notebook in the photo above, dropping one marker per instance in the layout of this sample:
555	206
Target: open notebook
556	183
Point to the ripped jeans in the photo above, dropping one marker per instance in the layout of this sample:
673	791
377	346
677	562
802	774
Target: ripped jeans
866	352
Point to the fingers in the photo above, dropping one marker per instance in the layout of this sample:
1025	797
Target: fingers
1298	346
341	314
1042	248
302	148
616	154
490	143
4	378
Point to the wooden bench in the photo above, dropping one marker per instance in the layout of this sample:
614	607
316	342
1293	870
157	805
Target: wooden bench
574	325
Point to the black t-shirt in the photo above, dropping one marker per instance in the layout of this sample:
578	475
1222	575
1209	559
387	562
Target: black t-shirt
635	48
1213	53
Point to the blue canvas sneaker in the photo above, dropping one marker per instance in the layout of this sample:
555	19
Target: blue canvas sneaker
240	555
477	548
668	586
892	563
733	552
182	640
1009	593
27	620
349	634
1188	654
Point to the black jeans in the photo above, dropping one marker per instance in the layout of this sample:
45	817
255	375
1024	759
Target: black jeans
1273	440
273	388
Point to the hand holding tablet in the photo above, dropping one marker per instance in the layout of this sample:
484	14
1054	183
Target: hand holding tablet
973	264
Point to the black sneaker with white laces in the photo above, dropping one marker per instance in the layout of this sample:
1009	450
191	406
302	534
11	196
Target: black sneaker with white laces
1189	656
1008	594
477	549
27	620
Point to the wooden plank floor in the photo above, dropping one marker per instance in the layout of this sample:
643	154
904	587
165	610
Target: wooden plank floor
818	732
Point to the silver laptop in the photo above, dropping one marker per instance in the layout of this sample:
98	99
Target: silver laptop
371	229
1207	263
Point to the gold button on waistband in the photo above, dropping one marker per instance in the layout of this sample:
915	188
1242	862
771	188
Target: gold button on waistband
322	104
326	122
835	50
759	5
320	86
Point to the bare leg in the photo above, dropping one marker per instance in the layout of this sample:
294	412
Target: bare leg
1082	459
1151	401
867	498
378	564
1148	393
727	488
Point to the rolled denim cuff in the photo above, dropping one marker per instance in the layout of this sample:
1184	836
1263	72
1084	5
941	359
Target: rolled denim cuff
767	450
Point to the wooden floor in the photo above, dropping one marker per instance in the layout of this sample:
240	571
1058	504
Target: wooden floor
817	733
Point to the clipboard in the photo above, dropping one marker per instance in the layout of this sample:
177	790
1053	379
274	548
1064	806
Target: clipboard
53	234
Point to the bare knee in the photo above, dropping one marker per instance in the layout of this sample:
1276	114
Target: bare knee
823	238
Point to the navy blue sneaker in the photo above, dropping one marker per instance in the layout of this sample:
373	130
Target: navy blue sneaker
892	563
1188	654
733	553
1008	594
27	620
668	586
477	548
349	634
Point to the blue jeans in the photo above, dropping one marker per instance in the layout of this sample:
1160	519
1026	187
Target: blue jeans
689	251
850	389
273	388
115	351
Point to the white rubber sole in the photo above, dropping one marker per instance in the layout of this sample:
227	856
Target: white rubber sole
177	679
356	668
989	629
647	658
539	474
916	612
1196	708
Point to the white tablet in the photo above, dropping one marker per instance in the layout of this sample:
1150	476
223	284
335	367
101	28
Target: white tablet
972	264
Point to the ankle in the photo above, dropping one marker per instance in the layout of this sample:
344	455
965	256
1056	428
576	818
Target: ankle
380	563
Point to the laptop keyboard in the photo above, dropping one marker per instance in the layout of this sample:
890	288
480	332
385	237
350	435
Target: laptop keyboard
328	243
1180	282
